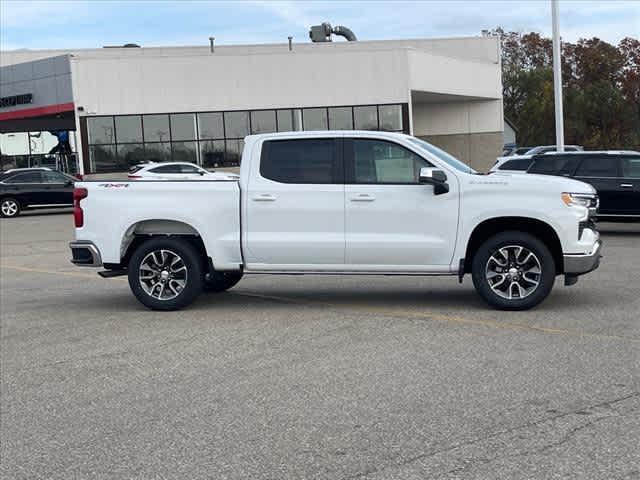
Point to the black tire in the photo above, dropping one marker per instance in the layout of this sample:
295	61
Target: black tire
183	278
9	207
220	281
484	267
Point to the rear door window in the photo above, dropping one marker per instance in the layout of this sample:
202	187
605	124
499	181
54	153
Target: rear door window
630	167
55	177
519	164
602	166
309	160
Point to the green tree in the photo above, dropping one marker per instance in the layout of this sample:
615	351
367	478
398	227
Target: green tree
601	90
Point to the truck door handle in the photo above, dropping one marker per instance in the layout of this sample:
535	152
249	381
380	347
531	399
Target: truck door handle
363	197
265	197
626	185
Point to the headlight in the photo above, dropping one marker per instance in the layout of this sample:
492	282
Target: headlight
585	200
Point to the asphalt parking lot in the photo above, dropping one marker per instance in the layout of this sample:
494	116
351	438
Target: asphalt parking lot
314	377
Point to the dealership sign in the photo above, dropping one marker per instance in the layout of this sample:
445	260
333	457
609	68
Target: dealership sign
25	98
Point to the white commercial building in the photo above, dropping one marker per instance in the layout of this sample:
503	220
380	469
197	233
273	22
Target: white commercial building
193	103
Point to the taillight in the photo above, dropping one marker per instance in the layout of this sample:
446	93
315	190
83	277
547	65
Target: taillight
78	215
79	176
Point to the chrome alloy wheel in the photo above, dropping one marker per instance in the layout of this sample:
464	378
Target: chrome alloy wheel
513	272
163	274
9	208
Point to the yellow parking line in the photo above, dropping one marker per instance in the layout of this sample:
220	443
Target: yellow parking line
377	310
50	272
442	318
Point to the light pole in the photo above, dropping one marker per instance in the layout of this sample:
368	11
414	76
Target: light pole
557	77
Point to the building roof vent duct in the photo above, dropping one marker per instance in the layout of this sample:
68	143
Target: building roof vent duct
322	33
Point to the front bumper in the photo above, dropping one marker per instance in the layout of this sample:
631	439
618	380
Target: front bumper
575	265
85	254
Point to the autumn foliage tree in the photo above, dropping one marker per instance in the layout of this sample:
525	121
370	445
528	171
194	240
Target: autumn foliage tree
601	90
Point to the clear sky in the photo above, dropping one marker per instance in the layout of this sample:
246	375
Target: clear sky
94	23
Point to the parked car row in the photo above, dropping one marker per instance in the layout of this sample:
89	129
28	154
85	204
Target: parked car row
614	174
43	187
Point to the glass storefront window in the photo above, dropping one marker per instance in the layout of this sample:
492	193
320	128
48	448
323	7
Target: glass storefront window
128	129
315	118
234	152
390	117
156	128
183	126
366	118
212	139
210	125
130	154
101	130
263	121
285	120
14	143
102	159
43	142
340	118
184	152
158	152
236	124
212	153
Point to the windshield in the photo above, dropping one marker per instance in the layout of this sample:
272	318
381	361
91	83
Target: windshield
442	155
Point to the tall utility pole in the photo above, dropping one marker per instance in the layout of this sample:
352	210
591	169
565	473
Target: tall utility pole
557	77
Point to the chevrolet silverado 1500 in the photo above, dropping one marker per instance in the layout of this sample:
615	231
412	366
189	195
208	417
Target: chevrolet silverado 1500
339	203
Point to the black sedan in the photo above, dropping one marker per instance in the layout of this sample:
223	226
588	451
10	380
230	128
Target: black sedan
34	188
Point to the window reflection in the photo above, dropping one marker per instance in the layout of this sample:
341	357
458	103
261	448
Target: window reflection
100	130
236	124
128	129
340	118
158	152
315	119
210	125
183	126
212	153
366	118
156	128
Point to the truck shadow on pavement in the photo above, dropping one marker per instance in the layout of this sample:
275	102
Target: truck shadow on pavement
286	300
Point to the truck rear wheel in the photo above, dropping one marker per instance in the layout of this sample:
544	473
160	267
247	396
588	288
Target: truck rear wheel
165	273
220	281
513	271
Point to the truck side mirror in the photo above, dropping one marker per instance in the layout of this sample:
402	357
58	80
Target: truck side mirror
435	177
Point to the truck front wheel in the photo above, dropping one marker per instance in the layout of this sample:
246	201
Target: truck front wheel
513	271
165	273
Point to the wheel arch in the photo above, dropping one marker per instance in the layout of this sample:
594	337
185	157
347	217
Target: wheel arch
538	228
142	230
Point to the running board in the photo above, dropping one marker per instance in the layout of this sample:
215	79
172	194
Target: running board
112	273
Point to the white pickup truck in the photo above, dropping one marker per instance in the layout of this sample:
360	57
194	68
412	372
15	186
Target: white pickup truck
339	202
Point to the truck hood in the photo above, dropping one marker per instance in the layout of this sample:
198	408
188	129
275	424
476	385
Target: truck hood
542	182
